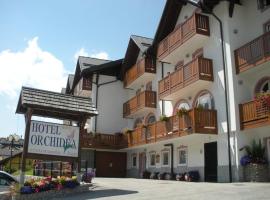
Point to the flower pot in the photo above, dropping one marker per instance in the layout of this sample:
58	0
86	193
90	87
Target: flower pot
256	173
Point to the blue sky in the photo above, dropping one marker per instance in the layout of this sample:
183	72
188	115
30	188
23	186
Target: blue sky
39	42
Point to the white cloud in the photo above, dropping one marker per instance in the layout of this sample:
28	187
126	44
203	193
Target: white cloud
100	55
82	52
32	67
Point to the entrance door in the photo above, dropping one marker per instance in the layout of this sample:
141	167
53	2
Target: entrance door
142	164
210	162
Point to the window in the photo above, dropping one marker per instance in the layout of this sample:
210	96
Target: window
182	155
265	87
263	4
149	86
165	158
134	160
152	159
151	119
266	27
137	122
205	100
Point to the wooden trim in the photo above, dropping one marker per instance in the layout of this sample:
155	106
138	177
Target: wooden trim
253	53
197	69
196	24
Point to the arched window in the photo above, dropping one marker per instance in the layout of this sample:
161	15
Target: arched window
181	104
204	99
137	122
263	86
150	118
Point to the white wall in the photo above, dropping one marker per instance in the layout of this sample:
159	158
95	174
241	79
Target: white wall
111	98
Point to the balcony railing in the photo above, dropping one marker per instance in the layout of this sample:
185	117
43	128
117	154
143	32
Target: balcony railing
103	141
196	24
198	69
145	65
195	121
253	53
145	99
254	114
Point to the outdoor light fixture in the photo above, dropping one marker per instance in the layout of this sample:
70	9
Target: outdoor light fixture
12	138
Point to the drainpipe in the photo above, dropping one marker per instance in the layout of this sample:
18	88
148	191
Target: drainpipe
172	149
203	7
96	117
162	76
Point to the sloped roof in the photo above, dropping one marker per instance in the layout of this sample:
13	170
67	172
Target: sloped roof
82	64
136	45
111	68
56	105
85	62
142	42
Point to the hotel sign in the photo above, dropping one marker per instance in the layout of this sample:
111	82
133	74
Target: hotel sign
53	139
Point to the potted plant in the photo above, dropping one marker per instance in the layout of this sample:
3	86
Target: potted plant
255	163
168	124
182	112
263	99
200	107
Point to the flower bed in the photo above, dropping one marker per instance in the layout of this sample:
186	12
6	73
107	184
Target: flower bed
48	183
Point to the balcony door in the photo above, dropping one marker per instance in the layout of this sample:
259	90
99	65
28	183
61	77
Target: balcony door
210	162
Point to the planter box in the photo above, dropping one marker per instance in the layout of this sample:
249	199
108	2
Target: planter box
256	173
53	193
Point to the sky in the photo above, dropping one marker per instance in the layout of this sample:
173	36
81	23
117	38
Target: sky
40	42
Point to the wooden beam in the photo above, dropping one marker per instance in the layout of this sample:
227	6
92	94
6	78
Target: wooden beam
28	116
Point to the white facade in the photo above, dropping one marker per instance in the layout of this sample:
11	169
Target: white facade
245	25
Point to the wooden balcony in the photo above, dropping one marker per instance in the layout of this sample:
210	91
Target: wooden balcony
198	72
143	102
196	121
103	141
140	73
84	87
189	35
254	114
253	53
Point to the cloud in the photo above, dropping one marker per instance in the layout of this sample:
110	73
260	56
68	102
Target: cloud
31	67
100	54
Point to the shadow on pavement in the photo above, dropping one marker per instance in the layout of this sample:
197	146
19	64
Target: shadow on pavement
101	193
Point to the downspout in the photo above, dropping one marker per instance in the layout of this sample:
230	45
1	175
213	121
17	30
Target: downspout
203	7
96	117
172	149
162	76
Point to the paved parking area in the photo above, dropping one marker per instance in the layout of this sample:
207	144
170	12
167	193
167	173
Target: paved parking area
135	189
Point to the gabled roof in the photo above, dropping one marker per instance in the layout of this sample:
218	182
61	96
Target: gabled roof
85	63
69	83
142	42
170	15
55	105
136	45
111	68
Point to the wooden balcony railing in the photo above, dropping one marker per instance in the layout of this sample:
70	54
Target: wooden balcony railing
254	114
142	100
253	53
198	69
196	24
196	121
145	65
103	141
